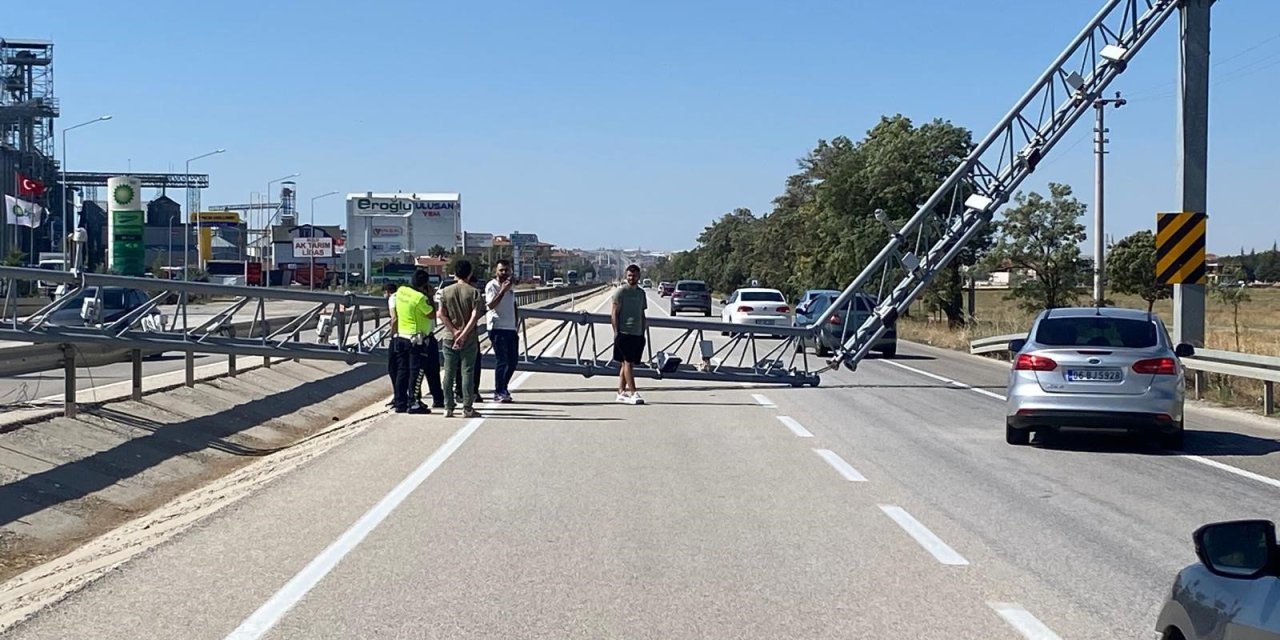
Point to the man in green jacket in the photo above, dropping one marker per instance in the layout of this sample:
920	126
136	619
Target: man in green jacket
414	323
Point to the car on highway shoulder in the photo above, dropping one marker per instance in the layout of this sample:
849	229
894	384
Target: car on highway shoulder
756	306
1231	592
1096	368
691	295
836	329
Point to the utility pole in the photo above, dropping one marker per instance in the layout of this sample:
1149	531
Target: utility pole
1099	238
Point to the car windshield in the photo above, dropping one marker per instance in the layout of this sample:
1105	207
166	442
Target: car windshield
762	296
691	286
1097	331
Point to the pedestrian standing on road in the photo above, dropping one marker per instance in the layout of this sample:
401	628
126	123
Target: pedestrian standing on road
413	327
459	314
500	301
629	326
389	292
430	369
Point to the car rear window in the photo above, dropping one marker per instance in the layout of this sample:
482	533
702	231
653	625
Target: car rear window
762	296
691	286
1097	331
820	304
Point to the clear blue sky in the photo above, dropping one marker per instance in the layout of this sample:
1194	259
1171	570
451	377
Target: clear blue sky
621	124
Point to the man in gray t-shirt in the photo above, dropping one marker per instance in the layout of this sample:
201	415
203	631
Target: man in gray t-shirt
629	305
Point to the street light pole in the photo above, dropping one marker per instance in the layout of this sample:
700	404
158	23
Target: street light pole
186	224
311	279
267	218
1099	239
66	221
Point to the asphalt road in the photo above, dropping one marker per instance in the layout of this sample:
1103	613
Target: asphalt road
884	504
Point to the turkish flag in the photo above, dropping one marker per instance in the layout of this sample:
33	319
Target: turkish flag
29	187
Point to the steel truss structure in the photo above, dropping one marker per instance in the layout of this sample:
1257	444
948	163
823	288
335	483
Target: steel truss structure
986	179
352	328
752	354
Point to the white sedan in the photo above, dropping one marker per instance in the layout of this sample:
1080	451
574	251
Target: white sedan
756	306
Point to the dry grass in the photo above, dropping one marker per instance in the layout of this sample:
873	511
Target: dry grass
1259	332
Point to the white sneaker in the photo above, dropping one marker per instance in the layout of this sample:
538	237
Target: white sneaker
636	399
624	398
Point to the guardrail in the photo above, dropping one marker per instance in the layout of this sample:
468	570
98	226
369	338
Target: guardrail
1228	363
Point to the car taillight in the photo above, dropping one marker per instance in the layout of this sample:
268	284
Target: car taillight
1028	362
835	320
745	309
1157	366
784	309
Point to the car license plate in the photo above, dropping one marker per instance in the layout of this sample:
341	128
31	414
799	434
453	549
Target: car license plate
1094	375
768	322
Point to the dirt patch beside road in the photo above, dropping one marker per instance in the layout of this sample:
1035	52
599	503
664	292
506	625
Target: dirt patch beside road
65	481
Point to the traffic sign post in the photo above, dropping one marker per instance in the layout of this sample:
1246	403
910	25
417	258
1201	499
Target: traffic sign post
1180	248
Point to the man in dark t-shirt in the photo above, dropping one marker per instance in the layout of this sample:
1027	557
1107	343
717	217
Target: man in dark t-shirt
629	305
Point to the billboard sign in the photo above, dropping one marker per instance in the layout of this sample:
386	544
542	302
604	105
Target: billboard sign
313	247
217	218
387	231
385	248
126	251
477	240
433	205
523	239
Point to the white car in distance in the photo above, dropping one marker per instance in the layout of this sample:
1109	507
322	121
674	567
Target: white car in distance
756	306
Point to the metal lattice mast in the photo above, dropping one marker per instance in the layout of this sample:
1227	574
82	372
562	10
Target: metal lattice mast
987	178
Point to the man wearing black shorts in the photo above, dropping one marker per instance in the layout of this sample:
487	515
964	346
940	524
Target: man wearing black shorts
629	305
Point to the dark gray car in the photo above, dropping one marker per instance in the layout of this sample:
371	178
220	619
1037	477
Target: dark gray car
832	333
691	295
116	303
1232	592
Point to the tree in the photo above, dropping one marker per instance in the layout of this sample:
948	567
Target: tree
438	251
1043	236
1131	269
1233	295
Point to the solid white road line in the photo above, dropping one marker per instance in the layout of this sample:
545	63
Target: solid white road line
270	613
838	463
1021	620
922	535
764	401
795	427
954	383
1237	471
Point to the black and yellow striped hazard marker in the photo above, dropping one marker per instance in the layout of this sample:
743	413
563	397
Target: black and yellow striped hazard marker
1180	248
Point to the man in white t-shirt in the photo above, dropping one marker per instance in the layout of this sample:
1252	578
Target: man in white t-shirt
502	323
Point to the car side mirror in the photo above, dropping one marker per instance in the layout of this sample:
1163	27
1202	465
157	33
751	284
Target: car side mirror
723	301
1017	345
1240	549
1184	350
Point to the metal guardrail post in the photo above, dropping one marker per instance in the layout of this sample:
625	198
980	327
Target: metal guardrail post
69	380
190	362
231	357
1268	397
136	356
1201	383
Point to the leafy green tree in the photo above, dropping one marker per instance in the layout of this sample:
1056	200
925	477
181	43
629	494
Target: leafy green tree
1043	236
438	251
1233	295
1131	268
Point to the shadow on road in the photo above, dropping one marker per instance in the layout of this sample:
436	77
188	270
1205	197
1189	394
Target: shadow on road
1198	442
83	477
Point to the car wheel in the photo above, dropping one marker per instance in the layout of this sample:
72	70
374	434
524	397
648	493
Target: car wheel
800	346
706	314
822	351
891	352
1174	440
673	312
1016	436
